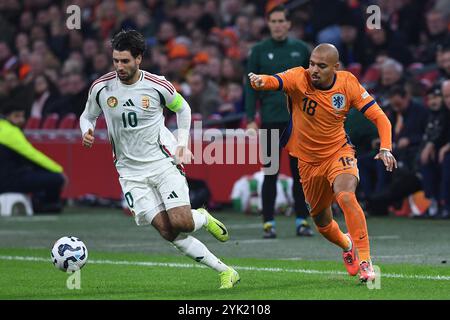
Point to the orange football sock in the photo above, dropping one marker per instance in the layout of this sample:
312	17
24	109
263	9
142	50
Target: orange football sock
356	223
333	234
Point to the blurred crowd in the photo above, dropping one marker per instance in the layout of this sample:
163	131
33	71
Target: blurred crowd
201	46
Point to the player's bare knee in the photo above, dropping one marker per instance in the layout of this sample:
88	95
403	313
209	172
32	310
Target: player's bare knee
182	223
181	218
345	183
162	223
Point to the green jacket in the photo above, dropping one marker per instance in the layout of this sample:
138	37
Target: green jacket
361	132
270	57
12	143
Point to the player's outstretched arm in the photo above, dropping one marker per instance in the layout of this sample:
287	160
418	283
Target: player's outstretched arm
256	80
263	82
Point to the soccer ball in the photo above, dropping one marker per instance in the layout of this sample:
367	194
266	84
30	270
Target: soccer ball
69	254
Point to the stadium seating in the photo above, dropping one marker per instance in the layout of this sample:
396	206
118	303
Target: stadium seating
371	75
415	67
50	121
14	204
68	122
196	117
243	123
214	121
355	69
33	123
77	124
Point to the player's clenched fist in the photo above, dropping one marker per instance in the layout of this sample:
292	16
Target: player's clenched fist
256	80
88	138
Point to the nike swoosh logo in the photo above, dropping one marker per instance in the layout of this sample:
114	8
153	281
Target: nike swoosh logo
224	232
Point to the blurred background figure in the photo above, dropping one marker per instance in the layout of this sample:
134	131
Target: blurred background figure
270	56
434	138
443	156
45	94
204	95
24	169
408	120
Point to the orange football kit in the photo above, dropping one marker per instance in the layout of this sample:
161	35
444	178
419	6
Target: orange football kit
316	136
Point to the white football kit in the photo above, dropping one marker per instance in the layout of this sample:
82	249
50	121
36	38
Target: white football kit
142	146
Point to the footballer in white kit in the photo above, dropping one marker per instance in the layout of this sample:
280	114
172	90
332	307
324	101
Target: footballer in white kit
142	145
147	155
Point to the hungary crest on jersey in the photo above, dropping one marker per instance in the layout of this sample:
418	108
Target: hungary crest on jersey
145	102
112	102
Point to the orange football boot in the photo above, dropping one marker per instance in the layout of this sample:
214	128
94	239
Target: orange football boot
350	259
366	272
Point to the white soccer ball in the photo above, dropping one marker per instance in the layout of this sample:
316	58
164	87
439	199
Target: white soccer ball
69	254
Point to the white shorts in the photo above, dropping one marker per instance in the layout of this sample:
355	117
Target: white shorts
164	188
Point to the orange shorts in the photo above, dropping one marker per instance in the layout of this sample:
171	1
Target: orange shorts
317	179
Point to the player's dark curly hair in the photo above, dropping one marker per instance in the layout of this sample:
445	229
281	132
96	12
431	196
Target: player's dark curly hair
129	40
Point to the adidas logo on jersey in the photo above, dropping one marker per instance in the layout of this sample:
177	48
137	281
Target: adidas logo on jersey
173	195
129	103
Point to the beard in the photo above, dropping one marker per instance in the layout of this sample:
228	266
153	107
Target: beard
128	76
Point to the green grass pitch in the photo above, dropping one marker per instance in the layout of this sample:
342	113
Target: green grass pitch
130	262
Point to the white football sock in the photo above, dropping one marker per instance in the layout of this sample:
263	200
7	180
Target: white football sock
199	252
200	220
350	246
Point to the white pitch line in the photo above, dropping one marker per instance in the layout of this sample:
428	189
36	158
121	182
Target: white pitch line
245	226
186	265
29	219
123	245
399	256
256	241
15	232
387	237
